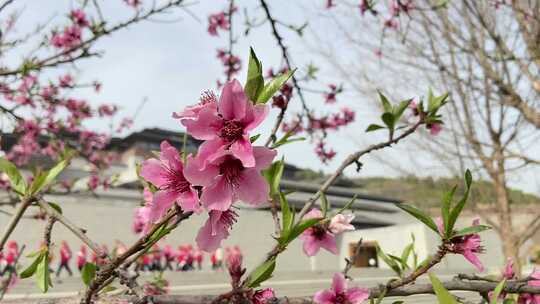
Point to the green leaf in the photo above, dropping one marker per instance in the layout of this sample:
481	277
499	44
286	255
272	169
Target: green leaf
287	219
324	204
497	292
420	215
373	127
388	120
48	177
273	176
287	140
387	106
302	226
56	207
398	111
348	205
88	273
388	261
471	230
443	295
255	80
406	253
456	211
509	301
261	274
30	270
445	210
17	181
253	138
273	86
43	275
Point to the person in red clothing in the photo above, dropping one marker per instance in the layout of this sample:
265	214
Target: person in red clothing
198	255
168	254
65	257
82	257
213	260
156	258
181	258
10	256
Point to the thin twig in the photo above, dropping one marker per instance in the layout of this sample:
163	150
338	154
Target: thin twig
285	56
72	227
25	203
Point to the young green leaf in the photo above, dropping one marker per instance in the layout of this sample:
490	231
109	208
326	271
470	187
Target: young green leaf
273	176
387	106
420	215
388	261
443	296
43	275
287	219
273	86
497	292
261	274
445	210
48	177
348	205
471	230
388	120
324	204
17	181
456	211
406	253
253	138
88	273
255	80
30	270
373	127
399	109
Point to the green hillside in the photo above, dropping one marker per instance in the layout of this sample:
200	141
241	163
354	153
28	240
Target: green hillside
423	192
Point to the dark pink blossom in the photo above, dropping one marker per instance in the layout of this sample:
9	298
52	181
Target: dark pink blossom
167	173
228	124
263	296
340	294
218	21
318	236
216	229
225	179
78	17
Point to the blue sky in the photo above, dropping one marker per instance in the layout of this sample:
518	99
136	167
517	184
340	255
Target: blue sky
171	63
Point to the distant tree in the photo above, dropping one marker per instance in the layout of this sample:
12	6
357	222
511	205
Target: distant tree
486	54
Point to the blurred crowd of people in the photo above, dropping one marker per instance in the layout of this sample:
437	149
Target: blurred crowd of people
159	258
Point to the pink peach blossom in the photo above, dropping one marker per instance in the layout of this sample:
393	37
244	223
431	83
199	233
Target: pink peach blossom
229	124
317	236
167	174
263	296
225	179
216	229
341	223
340	294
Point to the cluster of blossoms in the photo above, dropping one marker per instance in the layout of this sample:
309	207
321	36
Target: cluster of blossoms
221	21
318	128
71	35
226	169
54	116
231	62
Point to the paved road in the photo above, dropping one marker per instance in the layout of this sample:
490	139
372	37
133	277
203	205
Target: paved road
198	283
